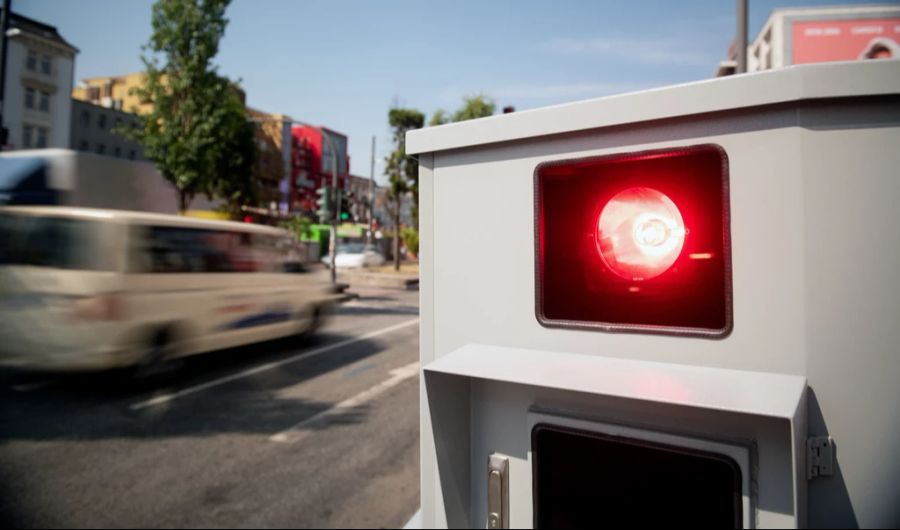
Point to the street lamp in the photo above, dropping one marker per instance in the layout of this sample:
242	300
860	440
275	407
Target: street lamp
332	236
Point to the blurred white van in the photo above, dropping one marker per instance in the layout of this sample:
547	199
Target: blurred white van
87	289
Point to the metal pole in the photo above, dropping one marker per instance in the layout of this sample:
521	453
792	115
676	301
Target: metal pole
332	240
4	27
370	233
741	38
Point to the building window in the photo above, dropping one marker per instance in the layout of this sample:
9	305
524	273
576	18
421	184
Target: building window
44	102
45	64
31	61
101	149
131	155
101	121
29	98
83	145
42	134
27	136
117	152
118	128
85	118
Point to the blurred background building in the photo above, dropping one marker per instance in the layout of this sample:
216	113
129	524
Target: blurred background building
40	68
273	158
822	34
358	190
312	165
95	129
113	92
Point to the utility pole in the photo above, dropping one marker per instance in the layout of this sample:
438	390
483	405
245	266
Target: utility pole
741	37
369	233
332	240
4	27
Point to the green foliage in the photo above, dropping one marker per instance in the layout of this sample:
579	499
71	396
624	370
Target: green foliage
474	107
233	159
439	117
403	120
402	171
197	132
302	227
411	240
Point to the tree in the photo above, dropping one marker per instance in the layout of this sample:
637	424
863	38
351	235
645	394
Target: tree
197	132
301	227
402	171
474	107
439	118
233	157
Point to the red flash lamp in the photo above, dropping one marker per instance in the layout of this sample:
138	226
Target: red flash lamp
635	242
640	234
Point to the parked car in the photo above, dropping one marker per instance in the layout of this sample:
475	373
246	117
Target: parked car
355	256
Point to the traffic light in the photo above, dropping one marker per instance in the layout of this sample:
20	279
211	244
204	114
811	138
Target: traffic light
323	204
346	203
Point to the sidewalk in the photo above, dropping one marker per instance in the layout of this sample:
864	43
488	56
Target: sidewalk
385	276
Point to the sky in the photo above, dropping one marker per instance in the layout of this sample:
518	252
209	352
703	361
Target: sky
344	63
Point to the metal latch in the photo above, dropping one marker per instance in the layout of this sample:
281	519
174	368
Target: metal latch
498	492
819	457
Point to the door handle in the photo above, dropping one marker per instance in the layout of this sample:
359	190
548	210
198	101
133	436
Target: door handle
498	492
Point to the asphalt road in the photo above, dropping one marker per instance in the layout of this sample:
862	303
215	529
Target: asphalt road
318	434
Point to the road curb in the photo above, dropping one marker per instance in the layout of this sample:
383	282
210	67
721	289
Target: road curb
374	279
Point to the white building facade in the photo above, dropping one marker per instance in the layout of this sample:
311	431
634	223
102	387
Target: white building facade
40	70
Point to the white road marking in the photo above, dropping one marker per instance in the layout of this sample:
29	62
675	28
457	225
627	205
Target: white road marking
397	376
31	387
165	398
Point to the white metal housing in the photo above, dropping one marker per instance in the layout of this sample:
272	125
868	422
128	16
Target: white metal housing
813	153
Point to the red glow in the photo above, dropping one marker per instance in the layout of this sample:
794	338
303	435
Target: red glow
640	233
635	242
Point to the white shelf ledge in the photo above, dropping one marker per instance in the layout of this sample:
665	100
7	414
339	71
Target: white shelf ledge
744	392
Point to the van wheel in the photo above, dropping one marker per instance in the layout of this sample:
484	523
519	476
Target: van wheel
323	314
158	361
315	322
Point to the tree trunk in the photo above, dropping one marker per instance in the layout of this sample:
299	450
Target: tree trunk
397	240
184	201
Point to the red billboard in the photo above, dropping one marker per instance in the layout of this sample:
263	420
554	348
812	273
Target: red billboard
845	40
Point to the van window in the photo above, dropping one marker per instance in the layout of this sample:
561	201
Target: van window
163	249
55	242
181	250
